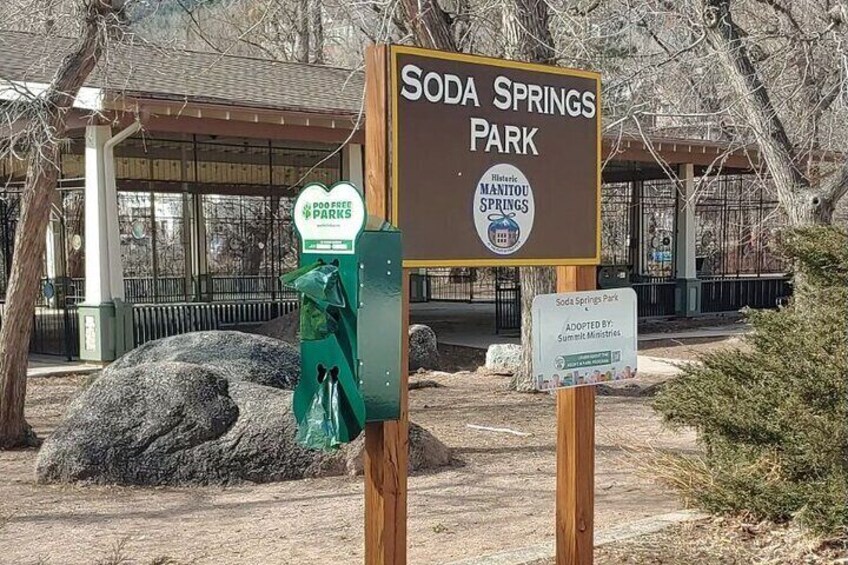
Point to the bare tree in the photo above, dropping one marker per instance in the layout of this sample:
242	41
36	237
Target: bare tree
309	41
527	37
806	199
43	118
429	23
316	31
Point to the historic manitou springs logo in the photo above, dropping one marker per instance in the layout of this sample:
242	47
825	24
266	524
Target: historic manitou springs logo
503	209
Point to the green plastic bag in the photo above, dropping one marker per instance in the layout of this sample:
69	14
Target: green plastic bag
316	322
320	427
319	282
321	288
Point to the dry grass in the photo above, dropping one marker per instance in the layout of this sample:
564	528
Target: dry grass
116	554
724	542
5	518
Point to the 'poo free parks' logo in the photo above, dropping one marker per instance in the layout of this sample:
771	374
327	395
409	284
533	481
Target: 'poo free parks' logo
329	219
503	209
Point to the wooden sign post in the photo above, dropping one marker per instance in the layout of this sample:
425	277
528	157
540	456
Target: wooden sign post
575	470
386	443
484	162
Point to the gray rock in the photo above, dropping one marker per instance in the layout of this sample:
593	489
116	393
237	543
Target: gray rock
175	424
235	355
425	452
503	358
285	328
179	424
171	423
423	348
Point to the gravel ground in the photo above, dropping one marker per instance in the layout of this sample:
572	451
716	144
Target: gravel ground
499	495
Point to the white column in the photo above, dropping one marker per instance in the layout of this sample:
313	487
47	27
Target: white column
113	230
199	248
685	237
637	221
50	250
97	275
54	254
352	165
188	220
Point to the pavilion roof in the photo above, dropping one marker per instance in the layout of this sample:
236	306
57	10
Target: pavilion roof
156	73
168	82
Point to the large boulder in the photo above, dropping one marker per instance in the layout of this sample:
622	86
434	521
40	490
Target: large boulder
423	348
503	358
180	424
285	328
236	355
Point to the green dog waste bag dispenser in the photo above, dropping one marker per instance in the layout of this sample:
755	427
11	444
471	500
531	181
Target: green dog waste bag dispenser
350	283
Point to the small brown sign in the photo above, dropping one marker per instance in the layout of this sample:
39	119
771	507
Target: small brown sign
494	162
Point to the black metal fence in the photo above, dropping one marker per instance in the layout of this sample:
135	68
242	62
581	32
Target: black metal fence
55	323
507	301
728	295
56	320
655	297
250	232
210	288
256	287
738	222
147	290
460	284
155	321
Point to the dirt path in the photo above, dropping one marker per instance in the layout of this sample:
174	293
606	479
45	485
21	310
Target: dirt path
500	497
689	349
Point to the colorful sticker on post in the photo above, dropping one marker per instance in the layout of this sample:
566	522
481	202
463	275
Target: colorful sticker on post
584	338
329	220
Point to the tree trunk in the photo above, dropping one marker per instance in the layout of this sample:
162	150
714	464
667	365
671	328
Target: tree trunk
430	25
526	31
534	281
42	176
527	37
302	42
804	203
316	32
21	295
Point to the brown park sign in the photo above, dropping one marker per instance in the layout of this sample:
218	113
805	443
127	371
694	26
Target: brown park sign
494	162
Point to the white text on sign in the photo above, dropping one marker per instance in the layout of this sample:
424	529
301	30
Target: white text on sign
584	338
509	96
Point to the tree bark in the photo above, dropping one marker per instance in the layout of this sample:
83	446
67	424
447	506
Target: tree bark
303	42
429	23
527	37
534	281
316	32
527	32
42	176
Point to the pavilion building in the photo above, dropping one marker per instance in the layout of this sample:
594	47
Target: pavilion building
173	212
